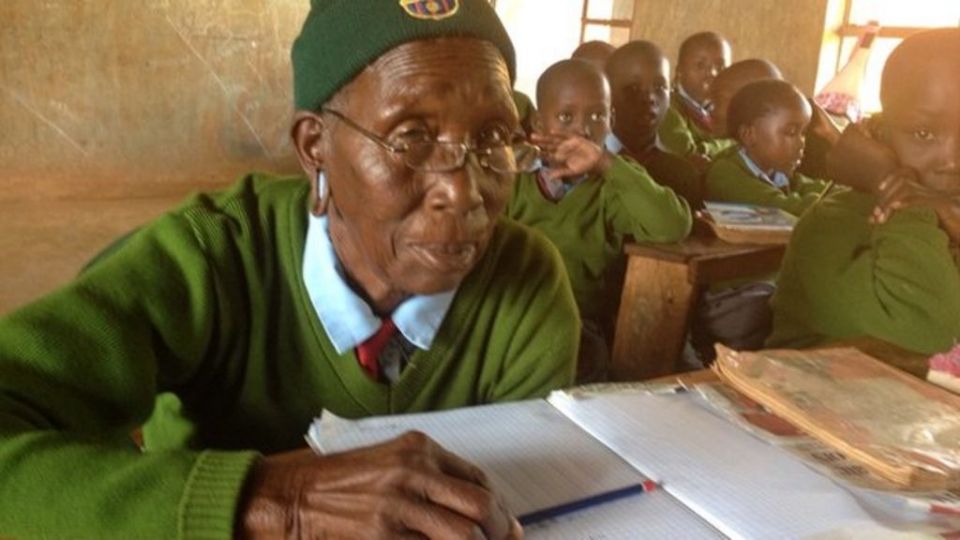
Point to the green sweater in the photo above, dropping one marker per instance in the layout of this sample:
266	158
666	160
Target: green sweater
729	179
209	303
682	136
525	110
843	278
672	171
588	225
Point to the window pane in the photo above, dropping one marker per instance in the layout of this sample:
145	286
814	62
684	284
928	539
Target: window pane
906	13
610	9
537	50
615	36
870	88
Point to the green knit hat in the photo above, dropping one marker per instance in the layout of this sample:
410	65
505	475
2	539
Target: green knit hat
341	37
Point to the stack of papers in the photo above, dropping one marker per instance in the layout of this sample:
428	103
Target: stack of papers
715	480
895	425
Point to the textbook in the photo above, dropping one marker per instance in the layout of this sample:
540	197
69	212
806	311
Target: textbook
627	464
747	223
895	425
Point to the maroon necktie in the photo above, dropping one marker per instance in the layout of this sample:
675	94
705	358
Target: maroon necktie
368	352
699	117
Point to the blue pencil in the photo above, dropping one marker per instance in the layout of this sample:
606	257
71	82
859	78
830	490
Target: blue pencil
586	502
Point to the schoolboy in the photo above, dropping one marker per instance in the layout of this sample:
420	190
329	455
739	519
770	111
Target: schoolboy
586	200
686	128
821	134
768	119
639	76
726	85
884	264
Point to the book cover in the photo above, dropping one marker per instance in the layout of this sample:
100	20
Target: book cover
747	223
899	427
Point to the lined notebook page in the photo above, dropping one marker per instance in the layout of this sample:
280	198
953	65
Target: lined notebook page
534	456
741	485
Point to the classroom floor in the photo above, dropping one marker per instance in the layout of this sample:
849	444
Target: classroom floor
45	242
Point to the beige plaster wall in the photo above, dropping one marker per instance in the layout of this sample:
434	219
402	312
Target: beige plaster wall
140	97
788	33
111	111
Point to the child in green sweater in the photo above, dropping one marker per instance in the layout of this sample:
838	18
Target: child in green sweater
727	84
587	200
686	129
768	119
639	76
883	263
820	134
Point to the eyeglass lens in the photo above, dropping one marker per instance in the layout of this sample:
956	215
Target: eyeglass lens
446	156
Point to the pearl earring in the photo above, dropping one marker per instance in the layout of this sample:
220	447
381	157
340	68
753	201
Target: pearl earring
323	193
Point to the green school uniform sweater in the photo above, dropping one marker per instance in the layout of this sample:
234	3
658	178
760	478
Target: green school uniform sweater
588	224
209	303
672	171
843	277
525	110
729	179
684	137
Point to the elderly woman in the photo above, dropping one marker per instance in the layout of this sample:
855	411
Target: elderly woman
384	284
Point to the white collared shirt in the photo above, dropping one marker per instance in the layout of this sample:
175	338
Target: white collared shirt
345	316
775	178
703	108
612	143
556	188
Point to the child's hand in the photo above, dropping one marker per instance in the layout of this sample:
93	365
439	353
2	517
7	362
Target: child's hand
822	125
700	161
901	189
859	160
571	155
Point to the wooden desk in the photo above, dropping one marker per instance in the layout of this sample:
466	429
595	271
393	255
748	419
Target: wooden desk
661	286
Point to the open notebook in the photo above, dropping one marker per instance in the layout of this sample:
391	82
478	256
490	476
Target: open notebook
715	480
748	224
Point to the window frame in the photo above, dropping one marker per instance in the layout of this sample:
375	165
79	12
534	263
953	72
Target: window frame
839	29
586	21
848	29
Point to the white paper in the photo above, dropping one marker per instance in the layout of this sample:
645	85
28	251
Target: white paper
534	456
741	485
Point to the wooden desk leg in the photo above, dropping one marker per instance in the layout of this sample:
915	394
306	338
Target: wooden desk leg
652	322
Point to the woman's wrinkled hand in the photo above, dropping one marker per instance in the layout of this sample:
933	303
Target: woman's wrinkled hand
409	487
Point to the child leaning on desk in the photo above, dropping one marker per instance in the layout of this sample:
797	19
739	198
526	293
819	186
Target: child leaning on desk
882	261
768	119
587	200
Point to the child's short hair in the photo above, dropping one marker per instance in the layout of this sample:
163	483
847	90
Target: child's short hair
757	100
698	40
593	50
563	71
751	69
901	67
632	50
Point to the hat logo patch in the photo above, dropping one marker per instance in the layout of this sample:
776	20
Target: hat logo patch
430	9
